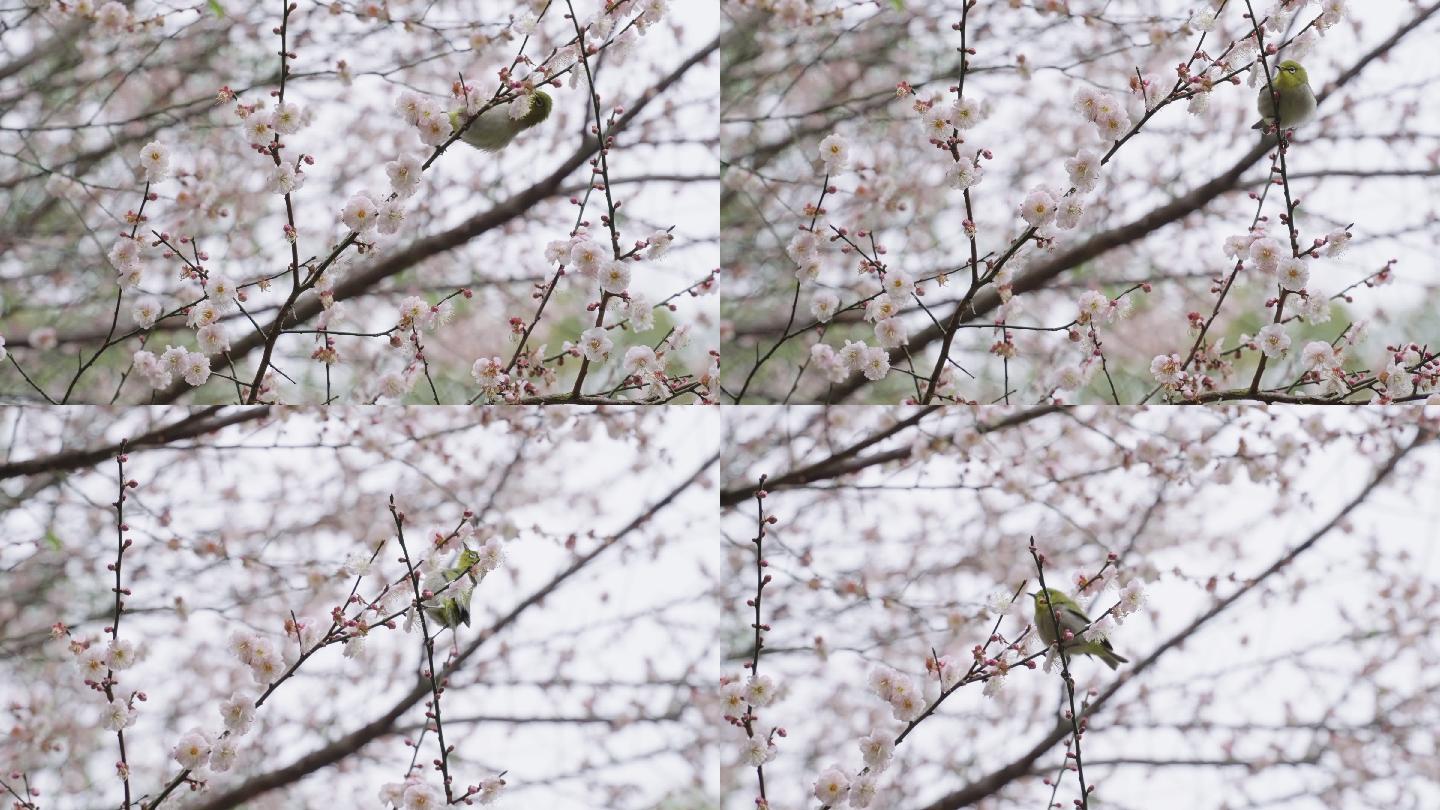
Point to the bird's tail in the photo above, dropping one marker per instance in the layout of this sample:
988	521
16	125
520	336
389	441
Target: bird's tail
1112	659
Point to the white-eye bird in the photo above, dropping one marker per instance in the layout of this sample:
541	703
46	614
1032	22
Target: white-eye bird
495	129
1071	618
451	608
1297	100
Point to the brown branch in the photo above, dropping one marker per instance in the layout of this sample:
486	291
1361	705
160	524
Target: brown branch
1021	766
848	460
1042	273
507	211
196	423
384	724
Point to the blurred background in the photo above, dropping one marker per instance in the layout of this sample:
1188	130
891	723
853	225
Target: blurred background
83	96
1166	201
579	670
1281	658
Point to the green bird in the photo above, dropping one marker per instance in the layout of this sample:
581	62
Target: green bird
452	607
1072	618
1297	100
495	129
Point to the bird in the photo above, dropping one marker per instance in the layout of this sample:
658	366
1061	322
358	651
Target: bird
495	129
452	607
1072	618
1297	100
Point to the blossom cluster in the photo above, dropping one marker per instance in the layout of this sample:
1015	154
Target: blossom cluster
220	295
739	700
414	794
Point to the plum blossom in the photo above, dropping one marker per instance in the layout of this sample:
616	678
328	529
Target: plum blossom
936	121
1084	170
891	333
1315	306
1331	12
862	793
640	360
835	153
360	214
1132	600
877	750
1039	208
587	256
963	174
660	242
404	174
238	712
1072	208
824	305
1273	340
285	179
1238	246
756	751
155	157
832	787
391	217
898	284
195	369
809	270
1397	380
117	715
803	245
1292	274
287	118
1317	354
852	354
113	17
122	654
145	312
760	690
993	685
965	113
490	790
1167	369
615	277
1266	253
1093	304
878	309
222	757
422	797
1100	630
825	359
1337	242
641	313
489	374
875	364
1070	377
192	750
212	339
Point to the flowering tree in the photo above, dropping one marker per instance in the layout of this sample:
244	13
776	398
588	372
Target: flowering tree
218	608
1064	202
1266	578
256	202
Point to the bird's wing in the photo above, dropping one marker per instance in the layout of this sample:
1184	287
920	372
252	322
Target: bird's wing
1075	620
1072	618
